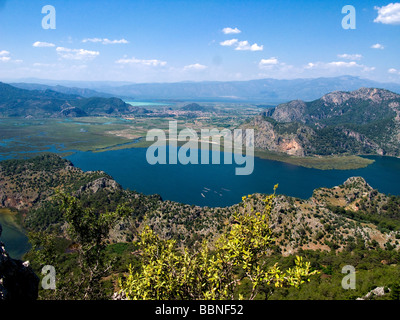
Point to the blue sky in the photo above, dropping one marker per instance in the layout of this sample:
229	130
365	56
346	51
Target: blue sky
170	41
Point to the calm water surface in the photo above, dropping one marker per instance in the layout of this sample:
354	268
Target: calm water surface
217	185
14	238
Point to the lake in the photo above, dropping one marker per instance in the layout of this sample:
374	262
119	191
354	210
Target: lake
147	104
218	186
14	238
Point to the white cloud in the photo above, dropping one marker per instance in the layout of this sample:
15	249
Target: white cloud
273	67
394	71
105	41
338	65
256	47
5	57
39	44
229	43
195	66
341	64
121	41
151	63
350	56
39	64
378	46
245	46
76	54
95	40
389	14
268	62
231	31
241	45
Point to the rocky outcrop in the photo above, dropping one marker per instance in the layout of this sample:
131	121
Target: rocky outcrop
70	111
334	104
364	121
363	140
291	111
373	95
375	293
358	183
100	184
17	279
24	185
268	137
18	200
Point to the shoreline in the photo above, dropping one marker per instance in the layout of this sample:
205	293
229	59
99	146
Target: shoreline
104	136
16	241
347	162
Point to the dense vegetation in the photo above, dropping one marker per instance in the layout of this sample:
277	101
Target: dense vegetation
387	219
160	270
166	272
374	268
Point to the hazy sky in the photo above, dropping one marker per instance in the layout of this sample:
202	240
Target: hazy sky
169	40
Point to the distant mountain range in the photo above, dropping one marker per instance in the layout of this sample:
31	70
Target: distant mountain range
364	121
82	92
16	102
270	91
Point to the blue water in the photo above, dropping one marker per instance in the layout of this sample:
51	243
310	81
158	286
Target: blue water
217	185
5	142
59	148
143	103
14	238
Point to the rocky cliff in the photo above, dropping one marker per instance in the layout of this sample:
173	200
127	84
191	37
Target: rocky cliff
365	121
362	106
283	138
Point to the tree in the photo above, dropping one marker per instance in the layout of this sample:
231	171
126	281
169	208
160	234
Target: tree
212	272
395	292
88	230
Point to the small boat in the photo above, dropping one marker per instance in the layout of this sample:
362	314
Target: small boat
203	195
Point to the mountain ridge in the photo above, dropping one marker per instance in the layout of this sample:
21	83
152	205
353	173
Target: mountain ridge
334	100
259	90
359	122
82	92
16	102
